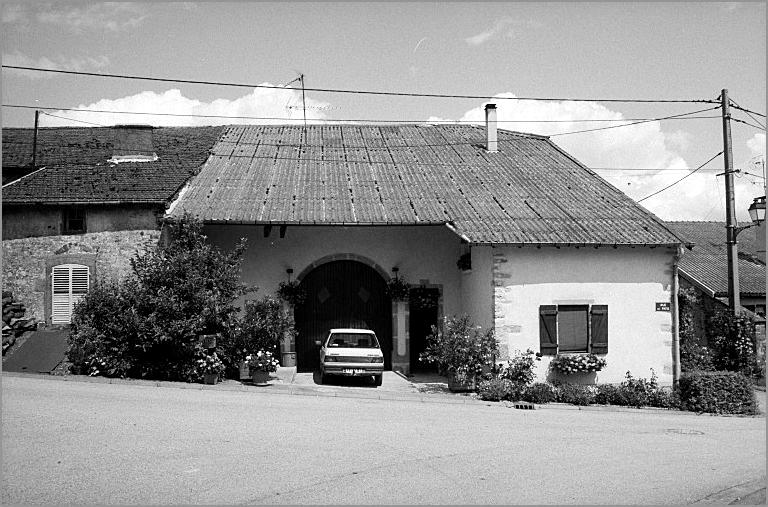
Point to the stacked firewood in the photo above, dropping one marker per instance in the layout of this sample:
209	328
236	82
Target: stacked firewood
14	322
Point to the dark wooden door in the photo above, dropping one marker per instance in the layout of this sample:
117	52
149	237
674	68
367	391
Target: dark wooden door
341	294
423	315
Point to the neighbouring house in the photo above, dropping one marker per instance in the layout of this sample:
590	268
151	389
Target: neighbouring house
92	198
503	226
705	270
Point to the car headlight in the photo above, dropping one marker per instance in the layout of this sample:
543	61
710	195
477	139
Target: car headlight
330	359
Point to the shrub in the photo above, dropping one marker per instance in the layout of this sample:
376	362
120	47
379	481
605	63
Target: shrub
148	325
733	342
608	394
696	357
636	392
539	392
291	292
520	369
575	394
461	349
717	392
495	389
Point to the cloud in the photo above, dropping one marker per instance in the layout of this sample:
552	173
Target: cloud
284	105
109	16
756	145
13	13
77	64
614	152
500	26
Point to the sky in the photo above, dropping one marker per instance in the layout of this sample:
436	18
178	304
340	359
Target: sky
497	51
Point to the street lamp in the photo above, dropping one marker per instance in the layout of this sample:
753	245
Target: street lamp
757	210
757	215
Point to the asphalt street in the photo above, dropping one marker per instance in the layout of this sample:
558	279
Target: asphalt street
86	443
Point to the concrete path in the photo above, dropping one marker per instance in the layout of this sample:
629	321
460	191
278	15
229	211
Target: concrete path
133	443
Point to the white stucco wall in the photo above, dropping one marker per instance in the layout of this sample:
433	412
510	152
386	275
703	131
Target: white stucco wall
422	253
629	280
477	287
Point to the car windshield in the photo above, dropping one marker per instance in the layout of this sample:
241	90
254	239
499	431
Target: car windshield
353	340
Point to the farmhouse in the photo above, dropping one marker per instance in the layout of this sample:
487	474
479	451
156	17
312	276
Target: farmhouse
79	202
503	226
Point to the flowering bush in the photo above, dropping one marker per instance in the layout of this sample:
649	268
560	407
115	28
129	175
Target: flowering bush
263	360
210	364
577	363
461	349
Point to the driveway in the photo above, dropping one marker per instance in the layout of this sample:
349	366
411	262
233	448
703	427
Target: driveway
134	443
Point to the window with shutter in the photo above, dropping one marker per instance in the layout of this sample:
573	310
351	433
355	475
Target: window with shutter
548	330
599	317
572	328
70	282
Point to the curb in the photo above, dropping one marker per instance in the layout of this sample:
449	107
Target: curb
734	493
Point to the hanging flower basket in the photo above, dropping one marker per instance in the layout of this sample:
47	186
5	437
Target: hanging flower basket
292	293
577	363
398	289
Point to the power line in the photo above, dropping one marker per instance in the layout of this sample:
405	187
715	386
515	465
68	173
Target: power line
747	123
683	116
72	119
681	179
638	122
350	91
736	106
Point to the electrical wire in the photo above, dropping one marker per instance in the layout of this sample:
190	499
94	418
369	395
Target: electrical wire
736	106
683	116
755	175
637	123
747	123
349	91
72	119
681	179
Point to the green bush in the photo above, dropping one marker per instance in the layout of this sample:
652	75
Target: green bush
696	357
149	325
539	392
461	349
495	389
717	392
733	342
575	394
520	368
636	392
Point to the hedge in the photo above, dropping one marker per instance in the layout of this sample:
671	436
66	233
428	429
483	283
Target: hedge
718	392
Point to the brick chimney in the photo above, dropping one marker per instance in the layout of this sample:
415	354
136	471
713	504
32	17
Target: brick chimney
492	144
133	143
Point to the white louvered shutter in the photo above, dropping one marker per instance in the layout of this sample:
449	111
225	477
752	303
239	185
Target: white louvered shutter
70	283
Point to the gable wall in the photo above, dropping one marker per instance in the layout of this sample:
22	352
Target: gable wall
36	221
629	280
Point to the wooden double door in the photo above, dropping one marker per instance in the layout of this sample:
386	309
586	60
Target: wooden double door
341	293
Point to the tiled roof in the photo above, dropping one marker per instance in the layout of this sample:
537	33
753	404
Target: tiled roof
707	262
530	192
76	167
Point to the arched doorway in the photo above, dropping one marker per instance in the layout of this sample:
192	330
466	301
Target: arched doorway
341	293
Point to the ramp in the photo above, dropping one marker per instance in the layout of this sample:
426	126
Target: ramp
41	352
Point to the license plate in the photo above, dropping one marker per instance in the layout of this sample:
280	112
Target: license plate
353	372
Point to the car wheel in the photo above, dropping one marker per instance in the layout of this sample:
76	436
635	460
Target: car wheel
321	378
377	380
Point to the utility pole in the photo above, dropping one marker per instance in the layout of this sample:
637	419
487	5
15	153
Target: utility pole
34	140
730	216
303	103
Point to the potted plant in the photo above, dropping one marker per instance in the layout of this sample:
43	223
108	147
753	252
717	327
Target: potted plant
262	363
397	289
244	368
211	367
461	351
465	262
292	293
577	363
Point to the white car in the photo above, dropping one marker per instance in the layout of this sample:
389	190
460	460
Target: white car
351	353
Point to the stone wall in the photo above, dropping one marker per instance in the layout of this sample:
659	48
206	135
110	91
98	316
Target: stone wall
27	261
26	221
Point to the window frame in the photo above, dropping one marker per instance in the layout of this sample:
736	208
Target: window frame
67	218
549	329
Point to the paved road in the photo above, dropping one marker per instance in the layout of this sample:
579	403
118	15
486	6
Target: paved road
75	442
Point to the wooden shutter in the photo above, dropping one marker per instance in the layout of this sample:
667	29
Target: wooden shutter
548	330
599	316
69	283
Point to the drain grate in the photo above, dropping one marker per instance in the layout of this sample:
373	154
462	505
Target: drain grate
524	405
